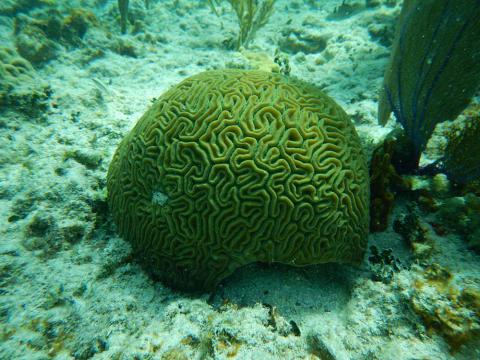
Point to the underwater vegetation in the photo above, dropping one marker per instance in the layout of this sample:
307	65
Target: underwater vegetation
446	308
434	69
38	39
345	10
231	167
123	9
13	7
461	161
414	232
384	181
19	86
251	15
461	214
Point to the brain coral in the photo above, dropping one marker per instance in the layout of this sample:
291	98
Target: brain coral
232	167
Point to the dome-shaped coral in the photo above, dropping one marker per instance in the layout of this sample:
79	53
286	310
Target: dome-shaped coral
232	167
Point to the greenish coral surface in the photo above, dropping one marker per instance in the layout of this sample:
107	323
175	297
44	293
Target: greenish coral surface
231	167
14	69
461	158
462	215
20	89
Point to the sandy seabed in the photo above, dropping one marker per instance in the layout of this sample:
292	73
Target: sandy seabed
70	287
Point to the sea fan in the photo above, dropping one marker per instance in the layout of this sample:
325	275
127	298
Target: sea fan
434	69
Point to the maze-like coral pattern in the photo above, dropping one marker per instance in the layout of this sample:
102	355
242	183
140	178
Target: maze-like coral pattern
231	167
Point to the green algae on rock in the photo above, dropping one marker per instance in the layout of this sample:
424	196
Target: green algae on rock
446	307
461	160
20	87
232	167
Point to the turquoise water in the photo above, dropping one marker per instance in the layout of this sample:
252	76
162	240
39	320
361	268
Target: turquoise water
239	179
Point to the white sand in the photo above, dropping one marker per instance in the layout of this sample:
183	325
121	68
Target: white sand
69	287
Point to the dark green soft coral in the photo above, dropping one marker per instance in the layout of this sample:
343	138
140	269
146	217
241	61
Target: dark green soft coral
434	69
232	167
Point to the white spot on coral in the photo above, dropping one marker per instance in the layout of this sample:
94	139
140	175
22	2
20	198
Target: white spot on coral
159	198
